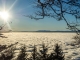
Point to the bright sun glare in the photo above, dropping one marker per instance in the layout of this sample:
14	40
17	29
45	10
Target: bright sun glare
4	15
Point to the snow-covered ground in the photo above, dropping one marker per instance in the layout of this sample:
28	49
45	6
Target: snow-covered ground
31	38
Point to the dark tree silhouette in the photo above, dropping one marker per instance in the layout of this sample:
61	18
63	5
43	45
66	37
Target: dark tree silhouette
58	9
43	52
34	54
8	54
58	53
22	55
1	27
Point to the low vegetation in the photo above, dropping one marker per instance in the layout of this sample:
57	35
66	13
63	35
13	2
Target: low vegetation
42	54
22	55
77	39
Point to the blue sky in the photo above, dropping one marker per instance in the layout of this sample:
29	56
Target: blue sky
18	8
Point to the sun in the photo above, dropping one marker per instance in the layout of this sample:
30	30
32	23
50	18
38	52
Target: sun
4	15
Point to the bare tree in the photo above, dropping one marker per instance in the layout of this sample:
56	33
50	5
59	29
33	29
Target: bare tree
58	9
1	27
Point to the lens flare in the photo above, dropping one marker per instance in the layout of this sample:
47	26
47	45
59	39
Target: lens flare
4	15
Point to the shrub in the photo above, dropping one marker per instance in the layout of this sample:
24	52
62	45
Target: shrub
2	47
8	54
77	38
58	53
22	55
34	55
43	52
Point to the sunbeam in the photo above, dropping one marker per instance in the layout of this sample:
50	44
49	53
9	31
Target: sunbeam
9	26
12	5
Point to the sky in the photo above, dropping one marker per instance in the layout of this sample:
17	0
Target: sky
18	22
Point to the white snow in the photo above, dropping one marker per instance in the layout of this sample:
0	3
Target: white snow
50	39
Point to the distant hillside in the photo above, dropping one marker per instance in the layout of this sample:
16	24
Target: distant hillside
43	31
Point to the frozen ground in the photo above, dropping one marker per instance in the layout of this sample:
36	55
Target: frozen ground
31	38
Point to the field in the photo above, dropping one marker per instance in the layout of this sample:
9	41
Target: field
32	38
